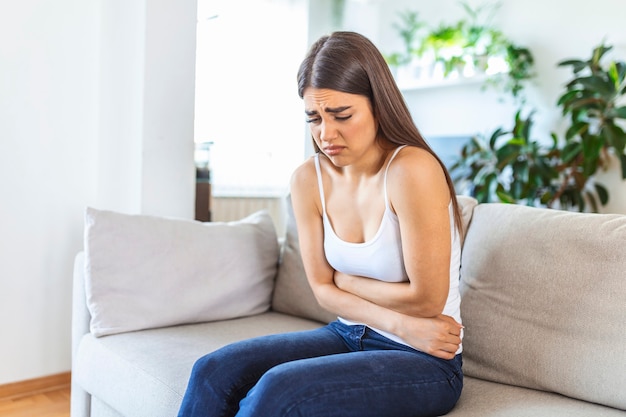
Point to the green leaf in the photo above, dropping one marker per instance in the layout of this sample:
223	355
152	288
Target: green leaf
504	196
622	158
569	96
603	194
595	84
517	141
571	151
615	136
555	141
577	64
494	137
576	129
506	155
614	75
583	103
598	53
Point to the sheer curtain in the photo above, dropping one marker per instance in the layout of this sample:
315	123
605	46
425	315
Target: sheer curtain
248	52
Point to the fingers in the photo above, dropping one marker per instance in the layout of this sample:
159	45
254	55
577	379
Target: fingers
449	352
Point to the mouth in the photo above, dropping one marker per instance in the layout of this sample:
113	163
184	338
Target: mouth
333	150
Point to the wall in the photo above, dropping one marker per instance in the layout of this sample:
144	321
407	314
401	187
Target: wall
48	113
96	108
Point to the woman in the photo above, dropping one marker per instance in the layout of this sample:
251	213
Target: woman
378	226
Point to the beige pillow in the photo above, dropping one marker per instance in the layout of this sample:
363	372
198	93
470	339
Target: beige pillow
145	272
466	204
544	301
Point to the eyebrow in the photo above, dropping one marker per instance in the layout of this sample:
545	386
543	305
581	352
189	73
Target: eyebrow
328	110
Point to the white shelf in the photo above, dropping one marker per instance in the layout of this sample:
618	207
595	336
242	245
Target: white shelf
422	84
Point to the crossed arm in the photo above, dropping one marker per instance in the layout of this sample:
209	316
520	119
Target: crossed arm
411	310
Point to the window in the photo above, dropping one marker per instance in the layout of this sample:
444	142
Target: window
248	53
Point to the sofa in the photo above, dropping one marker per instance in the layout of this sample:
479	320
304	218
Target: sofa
543	304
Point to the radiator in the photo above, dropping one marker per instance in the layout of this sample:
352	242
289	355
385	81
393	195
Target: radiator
226	209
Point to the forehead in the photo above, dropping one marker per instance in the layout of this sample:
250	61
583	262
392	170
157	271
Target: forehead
322	98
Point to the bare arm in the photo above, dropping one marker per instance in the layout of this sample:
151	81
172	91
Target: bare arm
439	336
419	195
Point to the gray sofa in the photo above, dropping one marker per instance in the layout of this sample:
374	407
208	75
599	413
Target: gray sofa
543	303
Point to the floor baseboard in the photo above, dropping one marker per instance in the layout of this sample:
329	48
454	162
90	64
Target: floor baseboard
35	386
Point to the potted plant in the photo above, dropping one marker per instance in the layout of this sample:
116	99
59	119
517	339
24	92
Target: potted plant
445	44
480	36
408	30
511	167
594	102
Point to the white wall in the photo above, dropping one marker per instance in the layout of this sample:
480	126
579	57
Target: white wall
96	108
48	112
146	79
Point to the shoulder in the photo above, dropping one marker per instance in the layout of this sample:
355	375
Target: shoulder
303	185
417	170
304	173
413	161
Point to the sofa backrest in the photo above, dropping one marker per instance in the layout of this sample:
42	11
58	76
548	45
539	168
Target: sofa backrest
544	301
292	293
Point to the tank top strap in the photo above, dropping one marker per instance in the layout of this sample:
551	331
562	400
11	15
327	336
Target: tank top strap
387	169
318	170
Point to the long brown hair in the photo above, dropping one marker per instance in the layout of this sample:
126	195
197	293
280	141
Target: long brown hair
351	63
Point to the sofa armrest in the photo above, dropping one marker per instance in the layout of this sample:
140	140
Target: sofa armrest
80	402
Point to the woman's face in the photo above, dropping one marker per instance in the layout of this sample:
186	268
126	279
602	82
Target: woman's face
342	125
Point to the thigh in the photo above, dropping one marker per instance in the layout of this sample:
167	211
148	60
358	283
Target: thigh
390	383
257	355
222	378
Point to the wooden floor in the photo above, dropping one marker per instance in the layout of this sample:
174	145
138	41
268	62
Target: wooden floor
42	401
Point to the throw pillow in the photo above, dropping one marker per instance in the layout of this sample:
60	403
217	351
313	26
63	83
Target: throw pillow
544	301
146	271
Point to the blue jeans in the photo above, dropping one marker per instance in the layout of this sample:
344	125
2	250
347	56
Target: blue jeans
335	371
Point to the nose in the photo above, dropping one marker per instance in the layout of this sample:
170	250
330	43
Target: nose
328	131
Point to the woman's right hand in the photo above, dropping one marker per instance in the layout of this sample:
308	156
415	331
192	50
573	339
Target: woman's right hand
439	336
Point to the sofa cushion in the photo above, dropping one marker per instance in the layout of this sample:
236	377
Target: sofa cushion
544	301
292	294
490	399
466	205
145	373
145	271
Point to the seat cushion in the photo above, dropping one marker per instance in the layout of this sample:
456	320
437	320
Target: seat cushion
145	373
490	399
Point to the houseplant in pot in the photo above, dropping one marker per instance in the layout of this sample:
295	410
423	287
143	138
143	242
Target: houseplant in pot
594	101
511	167
406	63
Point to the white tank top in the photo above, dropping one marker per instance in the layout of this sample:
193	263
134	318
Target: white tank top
381	256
